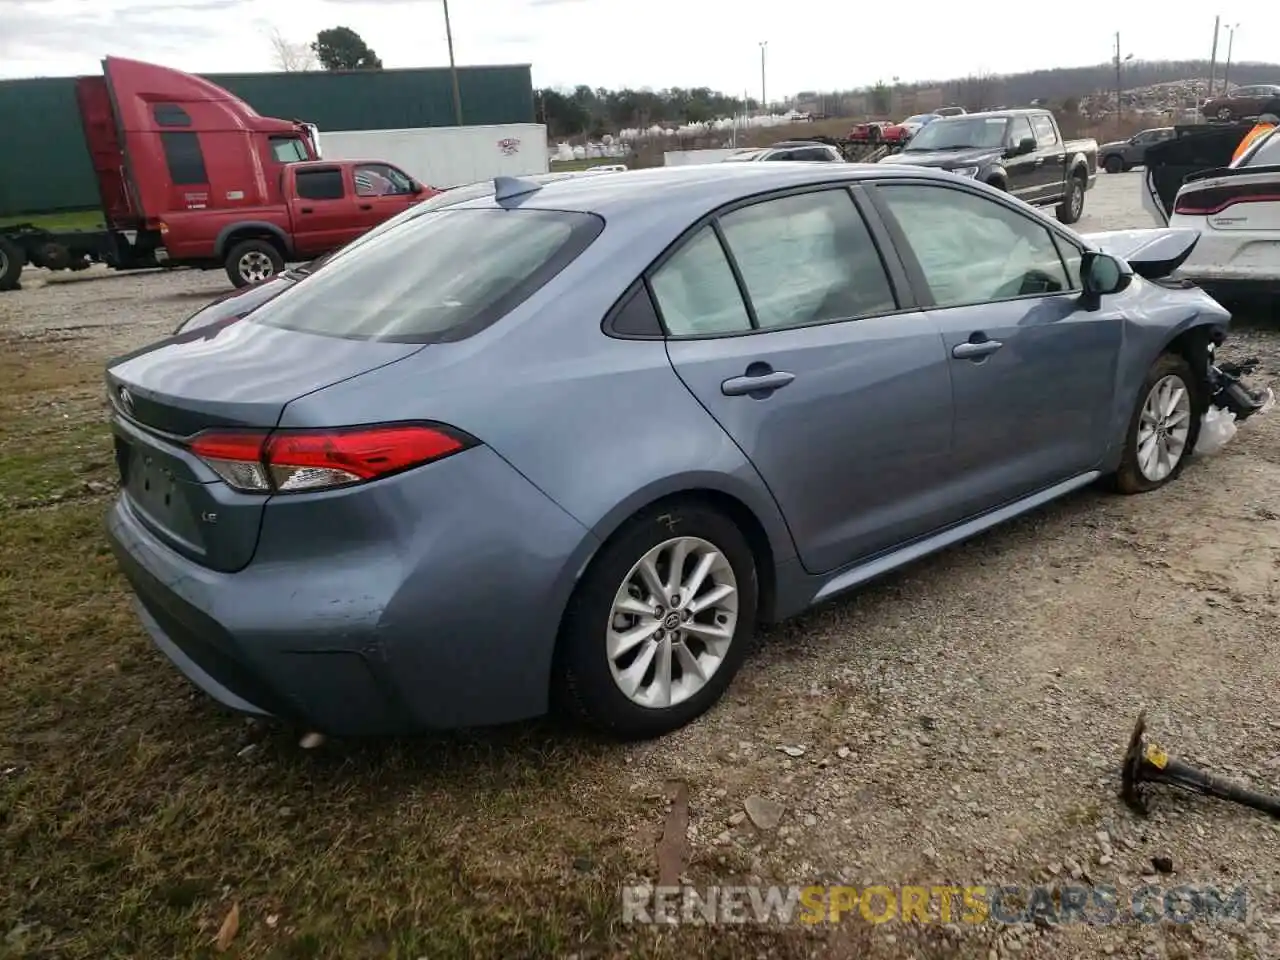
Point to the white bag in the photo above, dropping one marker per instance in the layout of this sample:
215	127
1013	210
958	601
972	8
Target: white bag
1267	403
1217	427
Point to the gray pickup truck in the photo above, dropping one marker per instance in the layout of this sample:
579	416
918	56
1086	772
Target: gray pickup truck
1019	151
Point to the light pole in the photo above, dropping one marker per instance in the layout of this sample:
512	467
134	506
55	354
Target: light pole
1119	84
1226	70
453	69
764	98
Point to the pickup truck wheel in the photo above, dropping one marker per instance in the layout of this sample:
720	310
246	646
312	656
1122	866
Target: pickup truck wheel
1072	205
11	260
1115	164
252	262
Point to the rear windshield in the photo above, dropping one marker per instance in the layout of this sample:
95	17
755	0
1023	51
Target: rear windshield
440	276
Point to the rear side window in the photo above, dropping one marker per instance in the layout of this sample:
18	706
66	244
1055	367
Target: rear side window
320	184
440	276
186	161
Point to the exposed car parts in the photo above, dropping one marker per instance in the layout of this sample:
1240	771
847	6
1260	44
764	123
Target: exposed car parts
1144	763
1230	393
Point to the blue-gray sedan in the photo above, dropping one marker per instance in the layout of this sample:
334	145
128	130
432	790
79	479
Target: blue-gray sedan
573	440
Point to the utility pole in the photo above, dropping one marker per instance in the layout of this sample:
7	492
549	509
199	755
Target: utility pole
1231	40
764	99
1213	57
453	69
1118	84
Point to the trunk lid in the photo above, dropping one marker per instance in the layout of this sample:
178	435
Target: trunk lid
1170	162
1152	253
236	375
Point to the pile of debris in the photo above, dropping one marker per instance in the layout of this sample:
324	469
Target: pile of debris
1176	101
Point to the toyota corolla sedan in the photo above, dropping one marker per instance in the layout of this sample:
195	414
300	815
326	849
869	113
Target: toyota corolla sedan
571	442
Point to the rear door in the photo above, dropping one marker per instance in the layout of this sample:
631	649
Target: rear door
322	209
381	191
1033	375
783	321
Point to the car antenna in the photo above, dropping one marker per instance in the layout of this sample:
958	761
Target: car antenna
506	188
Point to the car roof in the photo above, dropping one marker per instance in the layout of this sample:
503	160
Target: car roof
678	195
1020	112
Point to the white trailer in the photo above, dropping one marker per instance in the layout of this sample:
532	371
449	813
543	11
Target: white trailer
446	157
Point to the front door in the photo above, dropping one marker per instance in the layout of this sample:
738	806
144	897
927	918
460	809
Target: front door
382	191
836	391
1033	375
1025	181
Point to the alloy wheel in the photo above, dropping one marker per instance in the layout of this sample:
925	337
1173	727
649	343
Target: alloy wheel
672	623
1163	428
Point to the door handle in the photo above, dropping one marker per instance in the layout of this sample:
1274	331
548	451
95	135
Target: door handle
759	384
307	210
366	206
975	350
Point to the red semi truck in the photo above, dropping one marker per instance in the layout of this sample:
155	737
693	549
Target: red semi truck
191	175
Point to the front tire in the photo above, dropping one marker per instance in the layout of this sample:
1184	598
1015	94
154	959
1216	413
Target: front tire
11	261
1072	206
1163	429
1115	164
251	262
1225	115
660	622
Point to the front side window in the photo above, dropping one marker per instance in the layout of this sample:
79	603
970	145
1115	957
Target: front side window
807	258
381	180
696	292
972	249
439	276
1019	130
1046	135
323	184
288	150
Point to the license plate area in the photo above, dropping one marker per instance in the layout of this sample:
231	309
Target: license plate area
150	484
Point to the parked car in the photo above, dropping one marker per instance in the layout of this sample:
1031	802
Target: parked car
903	131
1234	205
1243	103
869	131
1122	155
554	442
808	150
1020	151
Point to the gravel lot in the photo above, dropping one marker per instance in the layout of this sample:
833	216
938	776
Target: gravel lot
962	721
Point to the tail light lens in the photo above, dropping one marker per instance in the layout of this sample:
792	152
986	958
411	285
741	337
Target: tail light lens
298	461
1207	202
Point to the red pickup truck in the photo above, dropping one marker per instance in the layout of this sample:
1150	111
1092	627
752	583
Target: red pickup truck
191	175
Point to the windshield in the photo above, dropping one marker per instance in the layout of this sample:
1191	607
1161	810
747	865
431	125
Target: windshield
955	133
441	276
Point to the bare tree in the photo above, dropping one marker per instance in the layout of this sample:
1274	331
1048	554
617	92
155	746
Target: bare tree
289	56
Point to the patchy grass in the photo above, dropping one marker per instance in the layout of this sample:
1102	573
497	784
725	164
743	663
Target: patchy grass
66	220
134	813
569	166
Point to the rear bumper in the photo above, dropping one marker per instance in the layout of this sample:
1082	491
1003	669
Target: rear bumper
440	611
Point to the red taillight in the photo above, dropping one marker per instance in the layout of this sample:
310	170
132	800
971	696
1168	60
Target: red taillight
1211	200
295	461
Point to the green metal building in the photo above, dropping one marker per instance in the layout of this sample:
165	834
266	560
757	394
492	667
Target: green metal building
44	162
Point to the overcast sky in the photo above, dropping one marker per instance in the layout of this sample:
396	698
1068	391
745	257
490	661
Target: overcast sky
813	44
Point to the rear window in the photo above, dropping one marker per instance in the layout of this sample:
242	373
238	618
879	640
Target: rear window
440	276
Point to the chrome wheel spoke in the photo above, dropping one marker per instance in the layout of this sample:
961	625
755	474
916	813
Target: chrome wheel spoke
623	643
689	663
712	598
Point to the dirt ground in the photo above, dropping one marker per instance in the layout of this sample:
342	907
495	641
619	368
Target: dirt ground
959	723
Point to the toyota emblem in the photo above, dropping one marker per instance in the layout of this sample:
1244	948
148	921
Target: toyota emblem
126	401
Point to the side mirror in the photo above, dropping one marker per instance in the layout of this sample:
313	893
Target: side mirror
1021	148
1102	275
415	187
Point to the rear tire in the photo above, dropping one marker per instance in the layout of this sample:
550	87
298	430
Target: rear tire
251	262
704	646
1072	206
1115	164
1135	474
11	261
